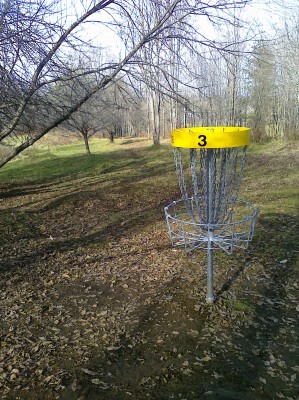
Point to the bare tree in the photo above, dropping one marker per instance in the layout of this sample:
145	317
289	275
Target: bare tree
285	120
105	112
84	122
40	59
262	90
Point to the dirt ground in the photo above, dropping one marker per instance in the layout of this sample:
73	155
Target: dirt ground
95	304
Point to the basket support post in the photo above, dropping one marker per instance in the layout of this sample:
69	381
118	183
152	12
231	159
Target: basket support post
210	220
210	265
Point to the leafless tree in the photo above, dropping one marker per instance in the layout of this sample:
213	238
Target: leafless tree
36	44
168	69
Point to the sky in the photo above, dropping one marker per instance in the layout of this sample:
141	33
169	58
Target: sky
264	13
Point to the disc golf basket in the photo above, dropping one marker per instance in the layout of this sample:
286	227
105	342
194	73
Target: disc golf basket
209	164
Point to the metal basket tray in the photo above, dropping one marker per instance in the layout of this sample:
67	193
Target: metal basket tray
185	231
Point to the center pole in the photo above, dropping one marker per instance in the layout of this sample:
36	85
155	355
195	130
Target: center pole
210	213
210	265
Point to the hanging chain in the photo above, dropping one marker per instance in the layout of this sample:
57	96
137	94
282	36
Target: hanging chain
224	171
193	166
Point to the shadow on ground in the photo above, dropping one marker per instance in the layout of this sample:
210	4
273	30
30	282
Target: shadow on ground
100	246
244	347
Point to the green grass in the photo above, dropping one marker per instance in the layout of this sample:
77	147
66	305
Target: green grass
242	306
270	178
43	164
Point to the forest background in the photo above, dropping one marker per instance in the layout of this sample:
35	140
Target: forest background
142	68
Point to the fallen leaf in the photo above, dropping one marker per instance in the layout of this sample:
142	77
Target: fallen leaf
101	384
206	358
88	371
193	333
113	348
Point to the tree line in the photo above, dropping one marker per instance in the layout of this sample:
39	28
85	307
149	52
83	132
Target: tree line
180	63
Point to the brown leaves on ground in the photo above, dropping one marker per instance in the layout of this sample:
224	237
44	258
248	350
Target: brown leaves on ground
95	304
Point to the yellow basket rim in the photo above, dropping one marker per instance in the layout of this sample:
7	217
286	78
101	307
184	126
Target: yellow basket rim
210	137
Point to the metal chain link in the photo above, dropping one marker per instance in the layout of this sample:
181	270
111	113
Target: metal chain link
225	168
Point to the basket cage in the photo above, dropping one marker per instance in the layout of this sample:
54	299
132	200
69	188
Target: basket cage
209	212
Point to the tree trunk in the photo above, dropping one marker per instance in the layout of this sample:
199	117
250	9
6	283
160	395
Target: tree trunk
111	136
156	119
86	142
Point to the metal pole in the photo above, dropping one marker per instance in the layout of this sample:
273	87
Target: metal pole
210	200
210	263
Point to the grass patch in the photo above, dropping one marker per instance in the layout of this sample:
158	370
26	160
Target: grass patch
270	176
242	306
70	161
47	168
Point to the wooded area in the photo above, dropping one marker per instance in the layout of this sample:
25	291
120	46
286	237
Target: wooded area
176	63
94	302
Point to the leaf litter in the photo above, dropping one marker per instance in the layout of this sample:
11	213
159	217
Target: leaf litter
95	304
